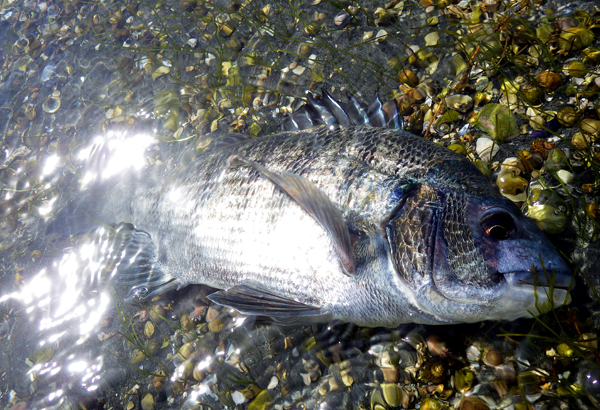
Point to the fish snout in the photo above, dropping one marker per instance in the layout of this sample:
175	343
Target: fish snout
548	277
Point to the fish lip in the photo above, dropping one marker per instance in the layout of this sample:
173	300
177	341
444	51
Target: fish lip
558	280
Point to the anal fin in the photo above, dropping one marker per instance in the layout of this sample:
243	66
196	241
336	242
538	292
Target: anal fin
251	298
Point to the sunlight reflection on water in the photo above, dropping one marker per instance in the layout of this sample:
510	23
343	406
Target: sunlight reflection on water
119	151
65	301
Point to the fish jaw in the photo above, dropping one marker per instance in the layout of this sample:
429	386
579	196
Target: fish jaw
514	272
512	301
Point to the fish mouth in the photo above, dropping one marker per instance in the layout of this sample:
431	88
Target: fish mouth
557	280
538	293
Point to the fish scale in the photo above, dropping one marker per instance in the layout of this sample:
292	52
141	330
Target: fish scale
368	225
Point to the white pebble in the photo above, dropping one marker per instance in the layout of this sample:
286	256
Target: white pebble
237	397
510	164
273	383
486	148
565	176
299	70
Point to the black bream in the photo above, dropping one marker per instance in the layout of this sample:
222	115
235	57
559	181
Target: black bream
367	225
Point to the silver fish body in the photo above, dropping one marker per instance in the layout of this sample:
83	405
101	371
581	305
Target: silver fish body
367	225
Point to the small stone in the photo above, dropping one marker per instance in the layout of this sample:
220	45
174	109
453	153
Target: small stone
463	380
436	346
458	64
198	374
564	349
575	38
390	374
215	325
312	29
567	116
472	403
299	70
148	402
392	394
511	184
576	69
565	176
431	39
492	357
261	402
273	383
591	128
548	80
160	71
148	329
408	77
186	322
549	217
497	121
211	314
102	336
185	351
458	148
486	148
238	398
473	353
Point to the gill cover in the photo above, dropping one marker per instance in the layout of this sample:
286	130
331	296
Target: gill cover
468	258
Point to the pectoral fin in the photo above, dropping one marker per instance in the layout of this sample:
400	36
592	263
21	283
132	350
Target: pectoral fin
250	298
316	203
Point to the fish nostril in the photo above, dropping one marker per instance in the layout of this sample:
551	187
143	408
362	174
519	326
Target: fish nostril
498	225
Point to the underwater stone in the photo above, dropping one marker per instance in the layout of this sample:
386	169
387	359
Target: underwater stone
497	121
565	176
148	402
392	394
408	77
532	94
542	207
590	127
52	104
567	116
549	80
149	329
576	69
160	71
556	160
575	38
463	380
512	186
486	148
47	73
459	102
261	402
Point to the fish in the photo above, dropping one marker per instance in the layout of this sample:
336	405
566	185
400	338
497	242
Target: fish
343	216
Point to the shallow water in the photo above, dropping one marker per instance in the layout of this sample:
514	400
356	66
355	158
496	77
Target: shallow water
141	80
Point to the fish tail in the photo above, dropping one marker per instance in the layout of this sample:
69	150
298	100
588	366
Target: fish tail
139	269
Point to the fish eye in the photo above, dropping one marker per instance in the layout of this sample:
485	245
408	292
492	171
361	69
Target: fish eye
498	225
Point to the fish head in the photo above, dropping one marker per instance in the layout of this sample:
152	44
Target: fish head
469	258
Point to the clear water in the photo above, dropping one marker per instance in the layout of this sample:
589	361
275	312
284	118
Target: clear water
142	80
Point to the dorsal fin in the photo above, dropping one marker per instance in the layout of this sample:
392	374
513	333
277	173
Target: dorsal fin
335	108
375	112
226	140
